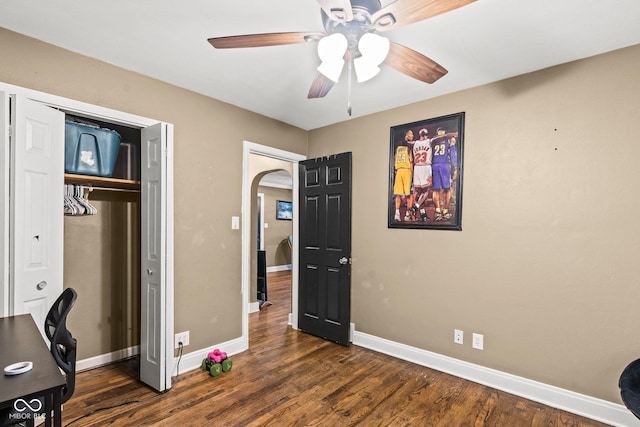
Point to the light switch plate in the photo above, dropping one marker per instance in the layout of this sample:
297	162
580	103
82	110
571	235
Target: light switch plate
478	341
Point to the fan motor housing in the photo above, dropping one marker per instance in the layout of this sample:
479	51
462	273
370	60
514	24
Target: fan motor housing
361	23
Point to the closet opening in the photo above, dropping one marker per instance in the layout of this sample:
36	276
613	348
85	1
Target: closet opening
33	161
102	255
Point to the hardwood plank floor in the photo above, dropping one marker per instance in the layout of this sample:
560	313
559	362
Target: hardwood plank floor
289	378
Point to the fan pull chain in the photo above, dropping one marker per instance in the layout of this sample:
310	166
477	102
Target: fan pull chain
349	78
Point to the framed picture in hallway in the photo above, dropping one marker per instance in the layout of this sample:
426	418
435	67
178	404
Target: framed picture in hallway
284	210
425	174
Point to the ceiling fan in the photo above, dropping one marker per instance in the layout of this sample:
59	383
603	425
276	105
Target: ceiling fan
351	37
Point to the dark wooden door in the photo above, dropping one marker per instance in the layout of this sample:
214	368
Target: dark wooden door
324	289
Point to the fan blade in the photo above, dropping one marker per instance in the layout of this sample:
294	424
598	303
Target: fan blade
259	40
414	64
402	12
320	87
337	10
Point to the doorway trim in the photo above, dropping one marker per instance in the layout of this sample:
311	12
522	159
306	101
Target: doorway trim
275	153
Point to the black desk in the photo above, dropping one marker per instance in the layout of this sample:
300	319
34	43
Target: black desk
21	341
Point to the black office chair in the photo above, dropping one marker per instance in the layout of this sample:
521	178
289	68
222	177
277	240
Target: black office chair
629	384
63	349
63	345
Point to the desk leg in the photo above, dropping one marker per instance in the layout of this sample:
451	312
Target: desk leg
57	408
48	407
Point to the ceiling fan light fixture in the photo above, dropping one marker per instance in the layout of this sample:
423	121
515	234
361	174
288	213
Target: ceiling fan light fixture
374	50
365	70
331	50
332	69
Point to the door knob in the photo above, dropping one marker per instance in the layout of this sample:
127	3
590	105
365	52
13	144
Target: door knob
149	271
40	286
343	260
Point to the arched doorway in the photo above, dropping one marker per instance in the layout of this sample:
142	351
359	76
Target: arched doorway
272	230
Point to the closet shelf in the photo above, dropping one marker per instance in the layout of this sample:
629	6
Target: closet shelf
101	182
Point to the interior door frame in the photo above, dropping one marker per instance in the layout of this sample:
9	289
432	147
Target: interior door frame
4	204
115	116
247	180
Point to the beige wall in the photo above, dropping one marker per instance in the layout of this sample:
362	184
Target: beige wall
546	266
208	138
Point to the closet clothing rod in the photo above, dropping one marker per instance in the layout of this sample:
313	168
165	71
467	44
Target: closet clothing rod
128	190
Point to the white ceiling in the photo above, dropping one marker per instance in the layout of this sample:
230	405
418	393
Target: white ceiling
277	179
486	41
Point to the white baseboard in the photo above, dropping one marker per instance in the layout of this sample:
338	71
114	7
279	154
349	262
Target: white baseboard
274	268
104	359
254	307
580	404
193	360
188	362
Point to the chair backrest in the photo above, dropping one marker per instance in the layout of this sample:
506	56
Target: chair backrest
629	384
63	345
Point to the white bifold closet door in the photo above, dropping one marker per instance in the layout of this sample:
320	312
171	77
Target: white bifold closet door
36	207
153	261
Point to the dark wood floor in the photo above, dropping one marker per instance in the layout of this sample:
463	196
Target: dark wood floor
290	378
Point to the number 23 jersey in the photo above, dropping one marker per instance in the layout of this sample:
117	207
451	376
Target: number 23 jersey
422	153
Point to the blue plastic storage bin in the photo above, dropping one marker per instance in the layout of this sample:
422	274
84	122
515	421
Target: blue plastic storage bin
90	150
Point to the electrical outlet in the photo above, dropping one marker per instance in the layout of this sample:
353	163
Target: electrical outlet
182	337
458	336
478	341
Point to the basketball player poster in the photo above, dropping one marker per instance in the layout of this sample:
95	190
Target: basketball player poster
425	174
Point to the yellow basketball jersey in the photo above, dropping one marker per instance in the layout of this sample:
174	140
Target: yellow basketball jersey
403	157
